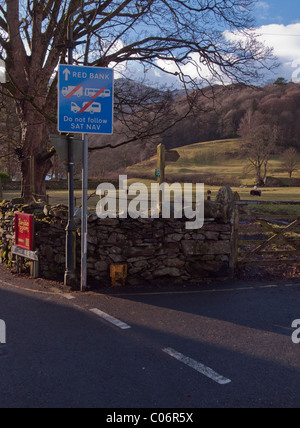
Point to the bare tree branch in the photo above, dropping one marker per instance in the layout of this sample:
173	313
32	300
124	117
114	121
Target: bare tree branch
178	38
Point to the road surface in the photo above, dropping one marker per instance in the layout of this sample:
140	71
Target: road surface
226	345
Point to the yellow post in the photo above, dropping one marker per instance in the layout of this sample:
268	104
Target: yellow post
161	162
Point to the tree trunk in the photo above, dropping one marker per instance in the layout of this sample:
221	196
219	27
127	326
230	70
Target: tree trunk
258	175
35	162
34	172
265	173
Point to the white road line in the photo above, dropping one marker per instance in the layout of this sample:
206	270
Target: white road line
110	319
68	296
206	371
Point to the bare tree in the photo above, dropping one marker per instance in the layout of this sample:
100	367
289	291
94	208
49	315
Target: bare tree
258	144
289	161
168	36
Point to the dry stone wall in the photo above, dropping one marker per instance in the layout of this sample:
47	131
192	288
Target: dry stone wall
159	249
154	250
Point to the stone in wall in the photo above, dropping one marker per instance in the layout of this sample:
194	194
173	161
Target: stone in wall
197	248
153	249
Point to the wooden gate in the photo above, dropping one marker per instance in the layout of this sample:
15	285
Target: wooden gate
268	232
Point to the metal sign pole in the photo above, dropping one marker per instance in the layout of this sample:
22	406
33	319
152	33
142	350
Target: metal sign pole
70	230
85	153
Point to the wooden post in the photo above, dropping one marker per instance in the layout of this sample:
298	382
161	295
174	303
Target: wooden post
161	156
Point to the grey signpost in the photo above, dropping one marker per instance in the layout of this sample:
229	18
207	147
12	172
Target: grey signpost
85	106
84	216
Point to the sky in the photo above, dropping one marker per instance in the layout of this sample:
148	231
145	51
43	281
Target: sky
278	23
278	26
280	12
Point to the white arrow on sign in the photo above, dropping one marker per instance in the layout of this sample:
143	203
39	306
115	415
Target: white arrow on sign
67	73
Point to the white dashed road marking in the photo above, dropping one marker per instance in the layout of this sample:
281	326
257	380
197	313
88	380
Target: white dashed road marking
68	296
206	371
110	319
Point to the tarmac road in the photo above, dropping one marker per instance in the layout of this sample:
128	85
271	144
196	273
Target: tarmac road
226	345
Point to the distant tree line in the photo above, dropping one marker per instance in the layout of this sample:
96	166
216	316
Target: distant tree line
266	118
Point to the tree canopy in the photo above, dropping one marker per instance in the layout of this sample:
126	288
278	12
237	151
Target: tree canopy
195	40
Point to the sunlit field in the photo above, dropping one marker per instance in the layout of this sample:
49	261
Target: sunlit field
214	163
219	161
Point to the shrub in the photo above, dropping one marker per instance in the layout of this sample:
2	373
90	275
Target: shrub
5	178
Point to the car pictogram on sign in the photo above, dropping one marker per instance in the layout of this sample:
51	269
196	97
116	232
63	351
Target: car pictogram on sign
75	107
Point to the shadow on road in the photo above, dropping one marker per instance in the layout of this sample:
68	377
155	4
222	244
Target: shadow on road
60	355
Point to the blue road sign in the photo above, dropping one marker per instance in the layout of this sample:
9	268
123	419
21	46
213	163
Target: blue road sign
85	100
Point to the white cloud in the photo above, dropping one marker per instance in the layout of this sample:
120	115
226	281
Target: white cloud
285	42
194	69
284	39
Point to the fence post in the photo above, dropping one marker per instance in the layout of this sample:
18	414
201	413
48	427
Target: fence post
161	163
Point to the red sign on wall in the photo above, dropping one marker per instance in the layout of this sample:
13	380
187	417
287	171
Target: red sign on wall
24	231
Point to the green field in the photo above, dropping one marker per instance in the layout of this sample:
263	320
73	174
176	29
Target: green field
268	194
218	163
213	162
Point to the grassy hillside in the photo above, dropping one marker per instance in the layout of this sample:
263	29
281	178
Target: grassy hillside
216	115
214	163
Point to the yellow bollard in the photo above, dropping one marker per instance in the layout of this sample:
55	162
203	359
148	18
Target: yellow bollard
118	272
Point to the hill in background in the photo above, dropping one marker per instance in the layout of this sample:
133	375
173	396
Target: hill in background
216	115
215	163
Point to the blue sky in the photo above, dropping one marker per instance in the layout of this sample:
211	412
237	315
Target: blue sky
284	12
278	23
